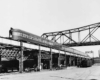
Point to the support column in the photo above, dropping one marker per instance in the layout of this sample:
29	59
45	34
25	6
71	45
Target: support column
59	59
39	59
70	60
81	62
21	58
50	59
0	56
78	62
73	60
65	63
0	59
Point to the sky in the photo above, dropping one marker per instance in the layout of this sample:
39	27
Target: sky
40	16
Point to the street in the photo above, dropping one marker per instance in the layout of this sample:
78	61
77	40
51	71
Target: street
71	73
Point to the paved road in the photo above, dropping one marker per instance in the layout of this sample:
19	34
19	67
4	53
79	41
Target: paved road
72	73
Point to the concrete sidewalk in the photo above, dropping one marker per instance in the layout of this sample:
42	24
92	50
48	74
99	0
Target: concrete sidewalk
69	73
44	70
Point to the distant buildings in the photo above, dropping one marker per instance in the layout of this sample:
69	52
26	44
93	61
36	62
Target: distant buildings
97	59
99	53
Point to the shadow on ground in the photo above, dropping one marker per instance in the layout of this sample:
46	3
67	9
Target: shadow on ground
72	78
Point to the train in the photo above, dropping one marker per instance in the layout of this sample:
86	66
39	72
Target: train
85	63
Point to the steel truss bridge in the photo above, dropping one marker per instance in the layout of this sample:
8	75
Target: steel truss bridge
82	36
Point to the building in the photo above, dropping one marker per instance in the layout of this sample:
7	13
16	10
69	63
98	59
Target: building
97	59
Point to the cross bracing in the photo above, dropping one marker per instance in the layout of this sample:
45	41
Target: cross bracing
82	36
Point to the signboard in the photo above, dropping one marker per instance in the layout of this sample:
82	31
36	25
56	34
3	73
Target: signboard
20	35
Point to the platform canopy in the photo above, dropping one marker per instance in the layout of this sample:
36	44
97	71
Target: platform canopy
20	35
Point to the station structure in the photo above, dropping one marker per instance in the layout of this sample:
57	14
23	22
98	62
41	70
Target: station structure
40	57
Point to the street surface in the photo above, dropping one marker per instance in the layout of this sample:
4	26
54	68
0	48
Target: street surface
71	73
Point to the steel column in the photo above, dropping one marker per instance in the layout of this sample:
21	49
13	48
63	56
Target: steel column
21	58
89	35
39	59
59	58
65	62
0	59
50	59
0	56
70	59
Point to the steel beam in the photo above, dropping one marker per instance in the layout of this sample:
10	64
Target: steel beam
92	28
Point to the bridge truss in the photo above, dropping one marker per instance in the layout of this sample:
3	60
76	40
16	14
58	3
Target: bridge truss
82	36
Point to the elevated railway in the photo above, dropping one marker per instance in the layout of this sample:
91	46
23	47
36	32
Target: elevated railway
35	58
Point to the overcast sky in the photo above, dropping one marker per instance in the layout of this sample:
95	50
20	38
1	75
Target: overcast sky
40	16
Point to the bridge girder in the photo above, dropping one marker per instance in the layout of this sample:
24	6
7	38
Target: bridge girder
66	37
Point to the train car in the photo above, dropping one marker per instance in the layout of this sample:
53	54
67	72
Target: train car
86	63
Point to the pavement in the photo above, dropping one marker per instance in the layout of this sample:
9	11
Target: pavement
70	73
